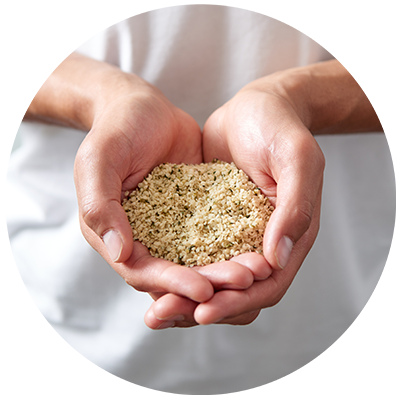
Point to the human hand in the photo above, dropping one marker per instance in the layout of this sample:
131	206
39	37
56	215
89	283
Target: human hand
134	129
263	133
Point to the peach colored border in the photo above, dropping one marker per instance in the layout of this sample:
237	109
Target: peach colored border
39	36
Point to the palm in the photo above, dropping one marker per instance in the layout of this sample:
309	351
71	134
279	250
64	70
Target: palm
263	135
128	139
254	131
149	131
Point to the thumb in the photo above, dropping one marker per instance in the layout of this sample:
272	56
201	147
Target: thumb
297	207
103	220
107	219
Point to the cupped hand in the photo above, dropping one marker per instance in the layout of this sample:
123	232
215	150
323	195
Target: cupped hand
136	128
172	310
263	132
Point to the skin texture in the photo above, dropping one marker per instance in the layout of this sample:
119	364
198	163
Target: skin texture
266	129
282	157
149	131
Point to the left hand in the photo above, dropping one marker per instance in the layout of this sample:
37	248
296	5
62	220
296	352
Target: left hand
263	133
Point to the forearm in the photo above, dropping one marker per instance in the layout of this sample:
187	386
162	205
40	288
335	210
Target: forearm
326	97
78	89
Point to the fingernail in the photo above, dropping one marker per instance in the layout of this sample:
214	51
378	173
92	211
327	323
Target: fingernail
172	318
283	250
166	324
260	278
113	243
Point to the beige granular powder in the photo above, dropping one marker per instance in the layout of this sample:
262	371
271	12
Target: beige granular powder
198	214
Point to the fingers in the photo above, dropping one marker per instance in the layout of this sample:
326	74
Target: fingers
108	220
233	307
237	305
242	306
238	273
171	310
214	143
98	186
227	275
255	263
154	275
299	187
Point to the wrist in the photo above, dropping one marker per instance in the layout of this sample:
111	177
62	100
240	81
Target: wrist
78	90
291	86
325	96
112	86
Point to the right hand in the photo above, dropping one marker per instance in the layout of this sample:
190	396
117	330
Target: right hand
134	129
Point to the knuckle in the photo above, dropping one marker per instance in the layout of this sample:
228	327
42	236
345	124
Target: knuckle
91	215
250	317
276	299
317	155
274	302
309	151
84	156
134	284
303	215
244	319
318	158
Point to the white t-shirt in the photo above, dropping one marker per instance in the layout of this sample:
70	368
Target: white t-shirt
199	56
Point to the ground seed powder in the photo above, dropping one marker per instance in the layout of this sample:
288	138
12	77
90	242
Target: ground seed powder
198	214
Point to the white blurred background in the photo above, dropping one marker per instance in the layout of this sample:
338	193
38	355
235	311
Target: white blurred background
39	358
12	136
